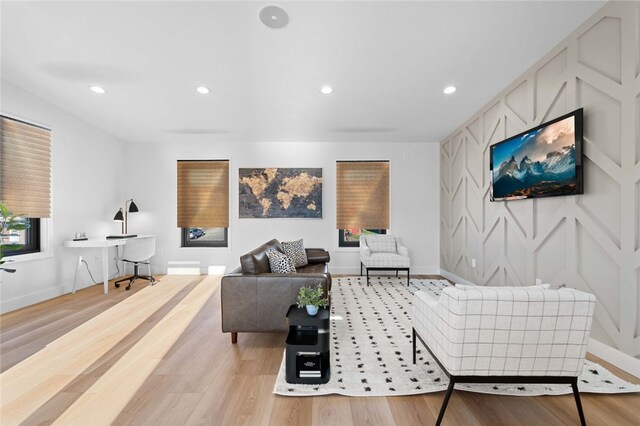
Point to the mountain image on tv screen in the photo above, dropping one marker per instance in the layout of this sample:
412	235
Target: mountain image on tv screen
538	163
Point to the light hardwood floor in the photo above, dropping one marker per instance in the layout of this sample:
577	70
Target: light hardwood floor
156	355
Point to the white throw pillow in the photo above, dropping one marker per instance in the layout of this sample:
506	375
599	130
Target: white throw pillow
280	263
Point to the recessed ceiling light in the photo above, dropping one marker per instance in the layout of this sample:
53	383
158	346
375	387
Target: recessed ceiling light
449	90
326	90
204	90
97	89
274	17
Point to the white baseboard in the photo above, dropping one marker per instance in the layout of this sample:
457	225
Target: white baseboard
36	297
184	267
614	356
350	270
456	279
216	270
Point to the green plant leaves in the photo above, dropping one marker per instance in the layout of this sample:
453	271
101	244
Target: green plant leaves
311	296
9	224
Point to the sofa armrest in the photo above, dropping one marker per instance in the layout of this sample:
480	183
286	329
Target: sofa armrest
365	252
440	330
403	251
317	255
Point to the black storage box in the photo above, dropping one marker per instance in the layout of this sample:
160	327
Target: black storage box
307	348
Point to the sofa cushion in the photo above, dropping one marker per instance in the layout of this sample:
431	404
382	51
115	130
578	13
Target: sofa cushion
381	260
295	250
256	261
382	243
280	263
313	268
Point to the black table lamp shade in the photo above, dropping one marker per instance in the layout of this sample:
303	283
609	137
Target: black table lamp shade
119	217
122	217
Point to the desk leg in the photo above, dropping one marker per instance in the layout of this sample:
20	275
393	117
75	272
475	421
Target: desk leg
105	270
75	276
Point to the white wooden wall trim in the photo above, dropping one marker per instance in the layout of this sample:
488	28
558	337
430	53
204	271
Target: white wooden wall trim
590	241
456	279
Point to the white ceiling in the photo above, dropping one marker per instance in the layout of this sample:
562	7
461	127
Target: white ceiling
387	61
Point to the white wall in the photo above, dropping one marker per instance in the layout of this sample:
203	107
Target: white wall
94	172
151	180
87	183
590	241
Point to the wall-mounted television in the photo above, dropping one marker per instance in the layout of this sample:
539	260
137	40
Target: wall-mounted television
545	161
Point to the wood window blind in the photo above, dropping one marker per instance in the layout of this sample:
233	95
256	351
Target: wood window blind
25	168
362	192
203	193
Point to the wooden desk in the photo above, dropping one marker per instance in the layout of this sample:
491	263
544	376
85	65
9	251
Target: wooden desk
103	243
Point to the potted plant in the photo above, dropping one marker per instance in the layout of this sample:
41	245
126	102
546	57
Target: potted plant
312	299
9	224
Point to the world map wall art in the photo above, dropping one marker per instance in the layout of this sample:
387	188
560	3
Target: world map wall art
277	193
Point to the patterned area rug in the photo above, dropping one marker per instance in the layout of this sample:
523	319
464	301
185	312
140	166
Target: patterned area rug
371	349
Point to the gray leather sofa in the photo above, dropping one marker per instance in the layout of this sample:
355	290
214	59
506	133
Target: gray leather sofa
255	300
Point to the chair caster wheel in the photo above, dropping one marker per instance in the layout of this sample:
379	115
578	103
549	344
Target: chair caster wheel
117	285
128	287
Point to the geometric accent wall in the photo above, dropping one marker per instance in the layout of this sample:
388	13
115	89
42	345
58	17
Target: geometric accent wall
591	241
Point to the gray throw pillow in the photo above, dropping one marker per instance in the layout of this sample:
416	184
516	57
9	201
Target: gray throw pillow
280	263
295	250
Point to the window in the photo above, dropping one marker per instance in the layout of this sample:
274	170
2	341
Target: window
351	237
205	237
25	178
203	202
29	238
362	200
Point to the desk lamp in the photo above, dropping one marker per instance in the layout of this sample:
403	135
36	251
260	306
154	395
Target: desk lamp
120	217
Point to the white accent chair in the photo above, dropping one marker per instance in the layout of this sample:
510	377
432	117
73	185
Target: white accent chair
138	250
383	253
505	335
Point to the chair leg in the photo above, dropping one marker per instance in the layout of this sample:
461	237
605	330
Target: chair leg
414	344
361	268
408	277
446	401
134	277
576	394
117	283
367	276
